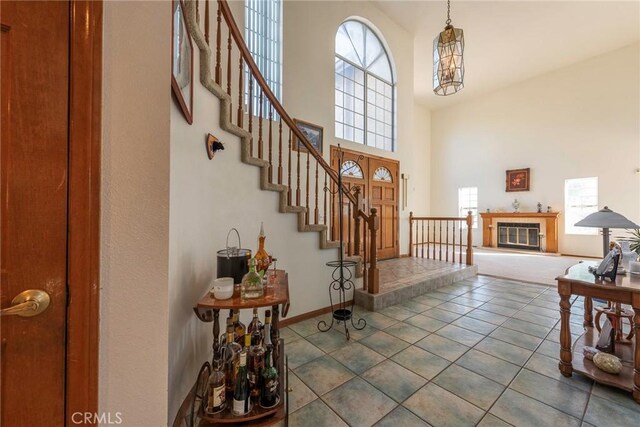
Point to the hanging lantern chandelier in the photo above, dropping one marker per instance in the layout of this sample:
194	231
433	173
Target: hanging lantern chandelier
448	61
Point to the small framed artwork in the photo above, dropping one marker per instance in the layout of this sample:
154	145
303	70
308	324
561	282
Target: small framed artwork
313	134
518	180
181	61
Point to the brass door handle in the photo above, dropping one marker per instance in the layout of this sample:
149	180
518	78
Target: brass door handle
28	303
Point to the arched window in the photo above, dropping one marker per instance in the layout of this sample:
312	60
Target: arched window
382	174
364	90
351	169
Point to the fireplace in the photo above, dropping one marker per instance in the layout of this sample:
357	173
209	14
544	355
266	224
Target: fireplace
519	235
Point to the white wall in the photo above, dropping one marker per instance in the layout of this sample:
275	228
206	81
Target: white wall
579	121
135	212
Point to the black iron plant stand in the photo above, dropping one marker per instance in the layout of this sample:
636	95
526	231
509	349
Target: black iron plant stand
341	282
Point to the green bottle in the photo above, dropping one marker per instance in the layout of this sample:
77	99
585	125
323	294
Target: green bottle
269	393
251	286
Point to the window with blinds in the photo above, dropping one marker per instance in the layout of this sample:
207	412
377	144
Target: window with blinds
468	201
263	36
580	200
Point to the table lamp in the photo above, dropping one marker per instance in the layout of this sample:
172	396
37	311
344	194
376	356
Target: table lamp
605	218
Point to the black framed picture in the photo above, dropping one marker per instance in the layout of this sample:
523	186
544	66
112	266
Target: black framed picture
312	132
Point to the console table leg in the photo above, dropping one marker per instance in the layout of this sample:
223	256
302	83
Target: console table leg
588	313
565	337
216	332
636	356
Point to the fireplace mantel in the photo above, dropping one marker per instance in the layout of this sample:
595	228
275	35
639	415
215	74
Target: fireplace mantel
548	220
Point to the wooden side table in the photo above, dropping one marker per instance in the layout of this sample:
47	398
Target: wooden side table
626	290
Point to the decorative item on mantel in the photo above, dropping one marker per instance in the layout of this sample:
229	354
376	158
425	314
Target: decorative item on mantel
448	59
539	207
548	209
515	204
341	282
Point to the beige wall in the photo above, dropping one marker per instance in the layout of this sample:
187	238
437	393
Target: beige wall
579	121
135	212
309	53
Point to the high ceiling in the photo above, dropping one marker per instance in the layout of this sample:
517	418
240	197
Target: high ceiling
510	41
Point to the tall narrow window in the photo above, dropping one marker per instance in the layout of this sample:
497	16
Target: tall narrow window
263	35
468	201
580	200
364	89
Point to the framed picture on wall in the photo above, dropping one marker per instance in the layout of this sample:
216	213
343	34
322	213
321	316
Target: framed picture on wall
518	180
312	132
181	61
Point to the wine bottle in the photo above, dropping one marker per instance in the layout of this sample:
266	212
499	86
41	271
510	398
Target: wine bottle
241	390
255	325
266	331
262	257
216	394
230	354
256	364
238	328
269	389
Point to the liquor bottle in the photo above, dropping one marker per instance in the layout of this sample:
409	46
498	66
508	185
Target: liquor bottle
262	257
241	390
238	328
255	325
230	353
251	286
269	386
216	394
256	364
266	330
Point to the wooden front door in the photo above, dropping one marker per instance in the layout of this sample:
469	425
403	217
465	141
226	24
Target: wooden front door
34	218
377	178
383	195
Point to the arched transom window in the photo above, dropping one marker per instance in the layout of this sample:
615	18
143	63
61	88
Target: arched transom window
382	174
364	94
351	169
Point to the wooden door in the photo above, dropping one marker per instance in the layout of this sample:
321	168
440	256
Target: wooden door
377	178
34	152
383	195
355	172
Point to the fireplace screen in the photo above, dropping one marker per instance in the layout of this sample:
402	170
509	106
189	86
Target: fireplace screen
519	235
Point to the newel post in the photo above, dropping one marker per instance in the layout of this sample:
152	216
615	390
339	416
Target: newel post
357	222
469	239
374	285
410	234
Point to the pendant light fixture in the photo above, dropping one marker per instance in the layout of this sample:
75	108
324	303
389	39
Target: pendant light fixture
448	61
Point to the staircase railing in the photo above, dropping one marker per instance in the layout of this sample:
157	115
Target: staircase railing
291	163
436	238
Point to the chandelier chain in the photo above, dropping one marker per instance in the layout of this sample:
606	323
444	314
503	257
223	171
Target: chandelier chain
448	12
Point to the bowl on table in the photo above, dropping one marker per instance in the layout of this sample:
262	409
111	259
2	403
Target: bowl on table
222	288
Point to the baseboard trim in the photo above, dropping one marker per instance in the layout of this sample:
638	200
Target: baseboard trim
304	316
582	256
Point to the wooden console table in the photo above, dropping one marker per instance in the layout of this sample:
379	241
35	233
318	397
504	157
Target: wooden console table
550	220
626	289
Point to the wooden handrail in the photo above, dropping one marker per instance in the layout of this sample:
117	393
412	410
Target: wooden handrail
437	220
255	71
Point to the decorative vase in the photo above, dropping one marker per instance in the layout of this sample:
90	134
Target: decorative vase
516	205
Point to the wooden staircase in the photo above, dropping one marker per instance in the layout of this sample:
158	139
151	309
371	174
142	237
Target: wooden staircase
305	182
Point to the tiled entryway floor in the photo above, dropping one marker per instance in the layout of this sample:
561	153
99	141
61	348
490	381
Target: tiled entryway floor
482	351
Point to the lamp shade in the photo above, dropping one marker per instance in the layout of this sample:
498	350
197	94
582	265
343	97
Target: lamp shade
606	218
